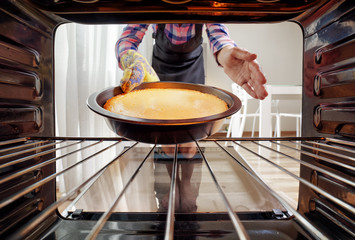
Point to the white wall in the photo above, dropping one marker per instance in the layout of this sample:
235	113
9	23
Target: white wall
279	47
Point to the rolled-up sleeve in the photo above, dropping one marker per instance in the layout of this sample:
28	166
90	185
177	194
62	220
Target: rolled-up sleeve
218	37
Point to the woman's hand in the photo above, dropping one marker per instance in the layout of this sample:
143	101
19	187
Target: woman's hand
136	70
241	66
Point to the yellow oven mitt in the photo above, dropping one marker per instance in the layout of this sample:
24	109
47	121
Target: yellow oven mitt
136	70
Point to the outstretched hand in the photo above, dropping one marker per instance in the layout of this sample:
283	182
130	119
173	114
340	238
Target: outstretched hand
241	66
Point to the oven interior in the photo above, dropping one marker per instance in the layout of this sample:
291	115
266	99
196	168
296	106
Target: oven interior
141	190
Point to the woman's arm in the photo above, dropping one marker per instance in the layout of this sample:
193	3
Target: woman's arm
130	38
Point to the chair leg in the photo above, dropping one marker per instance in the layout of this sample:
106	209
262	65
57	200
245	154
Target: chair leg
230	126
236	126
278	126
253	129
242	125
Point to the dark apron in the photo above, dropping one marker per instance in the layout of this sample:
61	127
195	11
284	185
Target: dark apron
183	62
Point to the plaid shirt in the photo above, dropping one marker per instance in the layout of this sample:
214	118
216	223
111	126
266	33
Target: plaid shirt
177	33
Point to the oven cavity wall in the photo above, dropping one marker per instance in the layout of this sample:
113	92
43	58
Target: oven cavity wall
26	108
329	111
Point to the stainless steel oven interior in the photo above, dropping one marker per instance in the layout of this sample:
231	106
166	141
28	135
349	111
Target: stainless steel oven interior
212	188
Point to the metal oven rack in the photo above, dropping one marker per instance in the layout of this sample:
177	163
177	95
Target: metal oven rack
323	156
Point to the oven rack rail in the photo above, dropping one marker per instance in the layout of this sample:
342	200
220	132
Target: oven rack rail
310	146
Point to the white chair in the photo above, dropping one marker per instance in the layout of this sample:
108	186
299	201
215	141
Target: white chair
237	121
297	116
293	94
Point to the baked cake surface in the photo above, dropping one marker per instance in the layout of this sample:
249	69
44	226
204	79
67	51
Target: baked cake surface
166	104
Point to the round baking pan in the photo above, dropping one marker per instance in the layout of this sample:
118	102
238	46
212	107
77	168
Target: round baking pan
164	131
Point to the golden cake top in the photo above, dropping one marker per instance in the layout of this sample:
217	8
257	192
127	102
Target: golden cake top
166	104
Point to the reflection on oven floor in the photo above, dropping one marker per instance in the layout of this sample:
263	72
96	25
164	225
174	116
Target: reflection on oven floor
195	190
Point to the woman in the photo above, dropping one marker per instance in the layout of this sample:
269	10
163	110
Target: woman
177	56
